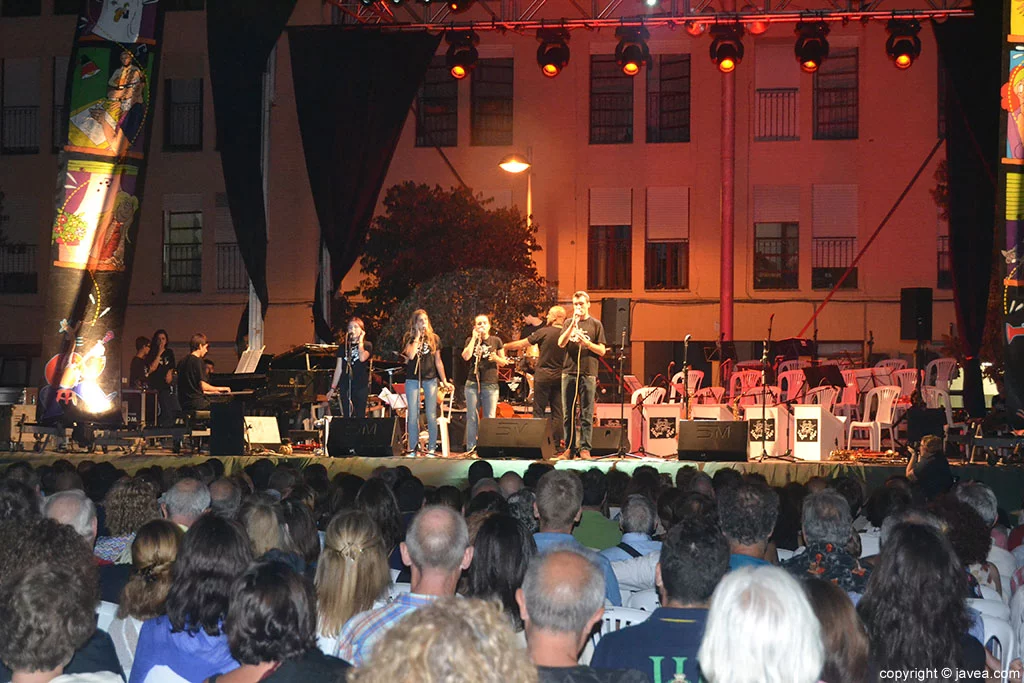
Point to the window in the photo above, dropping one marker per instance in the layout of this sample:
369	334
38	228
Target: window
834	227
835	97
945	274
611	102
19	126
183	251
66	6
667	253
609	242
20	8
59	114
776	105
668	99
491	103
231	273
776	256
18	271
437	108
183	123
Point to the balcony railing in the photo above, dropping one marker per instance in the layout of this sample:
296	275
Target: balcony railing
830	257
18	269
776	263
183	267
184	126
20	130
231	273
777	115
945	274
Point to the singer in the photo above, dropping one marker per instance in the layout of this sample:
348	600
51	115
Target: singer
351	370
484	353
422	349
584	342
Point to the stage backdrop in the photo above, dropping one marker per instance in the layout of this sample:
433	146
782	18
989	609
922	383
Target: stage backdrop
111	83
1012	248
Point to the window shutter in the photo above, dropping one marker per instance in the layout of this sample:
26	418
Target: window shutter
611	206
668	213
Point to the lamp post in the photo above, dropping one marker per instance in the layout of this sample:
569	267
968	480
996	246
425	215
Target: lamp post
517	163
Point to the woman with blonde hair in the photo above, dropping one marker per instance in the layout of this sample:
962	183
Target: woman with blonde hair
422	351
145	595
352	573
264	524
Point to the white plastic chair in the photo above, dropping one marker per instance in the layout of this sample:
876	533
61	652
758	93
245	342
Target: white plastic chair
882	417
709	395
939	398
648	601
847	403
940	372
907	380
650	395
789	365
106	612
791	383
615	618
990	608
742	381
990	593
695	377
822	396
999	640
892	364
1017	618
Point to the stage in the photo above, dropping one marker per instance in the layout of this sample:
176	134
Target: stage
1006	481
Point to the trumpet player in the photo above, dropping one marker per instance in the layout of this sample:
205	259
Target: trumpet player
584	342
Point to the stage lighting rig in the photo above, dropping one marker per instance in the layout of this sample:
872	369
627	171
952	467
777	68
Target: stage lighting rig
904	45
632	53
462	54
811	45
727	46
553	53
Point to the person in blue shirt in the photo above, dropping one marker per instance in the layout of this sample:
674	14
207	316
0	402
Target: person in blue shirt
694	558
638	520
558	508
747	511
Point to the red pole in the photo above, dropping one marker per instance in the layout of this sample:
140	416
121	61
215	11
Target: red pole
728	200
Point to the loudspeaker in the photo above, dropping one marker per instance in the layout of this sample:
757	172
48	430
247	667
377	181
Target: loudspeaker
712	440
924	421
512	437
605	440
916	314
227	429
374	437
615	318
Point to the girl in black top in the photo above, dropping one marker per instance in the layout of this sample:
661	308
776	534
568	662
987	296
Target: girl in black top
422	349
485	355
160	367
351	371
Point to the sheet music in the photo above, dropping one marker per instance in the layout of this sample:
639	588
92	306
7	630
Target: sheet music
249	360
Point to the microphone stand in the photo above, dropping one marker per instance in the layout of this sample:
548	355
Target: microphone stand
764	392
623	452
686	377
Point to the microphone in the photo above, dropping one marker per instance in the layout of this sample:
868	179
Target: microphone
687	338
623	337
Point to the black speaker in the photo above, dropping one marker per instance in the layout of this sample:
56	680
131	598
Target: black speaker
374	437
522	438
615	319
924	421
712	440
916	314
227	429
605	441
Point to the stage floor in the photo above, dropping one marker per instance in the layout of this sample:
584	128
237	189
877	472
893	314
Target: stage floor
1006	481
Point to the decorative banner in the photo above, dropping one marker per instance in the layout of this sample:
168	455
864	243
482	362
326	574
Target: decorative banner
1012	248
1012	97
109	100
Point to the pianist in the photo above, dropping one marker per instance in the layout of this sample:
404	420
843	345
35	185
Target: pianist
192	378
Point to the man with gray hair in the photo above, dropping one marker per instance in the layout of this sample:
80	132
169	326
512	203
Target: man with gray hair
185	502
827	527
225	498
74	509
437	549
559	507
638	520
561	600
983	500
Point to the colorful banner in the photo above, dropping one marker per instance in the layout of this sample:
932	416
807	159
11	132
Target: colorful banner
1012	248
109	99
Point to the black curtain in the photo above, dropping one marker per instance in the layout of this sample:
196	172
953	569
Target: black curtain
353	91
971	50
240	35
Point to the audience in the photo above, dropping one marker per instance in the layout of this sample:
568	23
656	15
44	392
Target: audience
225	498
129	504
638	520
437	550
983	501
184	502
842	633
502	550
594	529
510	483
827	528
747	512
561	601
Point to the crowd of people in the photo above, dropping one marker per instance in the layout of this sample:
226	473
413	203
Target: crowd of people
279	574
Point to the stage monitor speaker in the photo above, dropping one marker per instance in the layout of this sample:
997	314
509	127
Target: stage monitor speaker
227	429
615	319
710	441
916	314
513	437
374	437
606	440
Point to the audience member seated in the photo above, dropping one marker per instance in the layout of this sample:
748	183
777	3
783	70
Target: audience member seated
761	629
510	483
300	528
437	550
883	502
694	558
480	469
827	527
46	615
560	602
189	641
983	501
376	499
271	628
638	521
842	633
450	641
144	597
928	469
970	539
521	506
502	550
352	573
185	501
264	525
747	512
915	608
558	507
594	530
18	501
129	504
225	498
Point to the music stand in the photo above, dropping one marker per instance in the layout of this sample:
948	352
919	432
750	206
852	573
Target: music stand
824	376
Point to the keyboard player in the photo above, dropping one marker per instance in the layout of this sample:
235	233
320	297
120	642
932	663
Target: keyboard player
193	384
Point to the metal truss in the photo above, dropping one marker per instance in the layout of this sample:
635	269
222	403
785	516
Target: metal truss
524	15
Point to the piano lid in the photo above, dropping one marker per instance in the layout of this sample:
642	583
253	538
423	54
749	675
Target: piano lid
306	357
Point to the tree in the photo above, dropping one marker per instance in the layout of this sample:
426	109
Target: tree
426	232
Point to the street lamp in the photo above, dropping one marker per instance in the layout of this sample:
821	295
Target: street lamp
517	163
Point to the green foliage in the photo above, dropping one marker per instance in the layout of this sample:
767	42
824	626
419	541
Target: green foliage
426	232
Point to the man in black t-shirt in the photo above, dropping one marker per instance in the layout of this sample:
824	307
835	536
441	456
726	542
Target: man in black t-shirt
547	380
584	343
484	353
138	370
351	379
192	378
